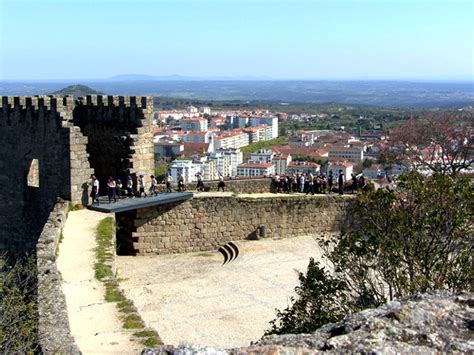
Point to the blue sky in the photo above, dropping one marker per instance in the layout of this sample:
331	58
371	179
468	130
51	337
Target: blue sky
320	39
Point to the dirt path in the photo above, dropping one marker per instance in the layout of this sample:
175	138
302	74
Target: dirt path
95	324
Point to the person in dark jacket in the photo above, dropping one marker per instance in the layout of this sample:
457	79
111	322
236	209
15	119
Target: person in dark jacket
330	181
340	182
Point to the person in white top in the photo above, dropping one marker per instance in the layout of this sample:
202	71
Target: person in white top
141	185
95	189
221	184
153	186
111	185
168	180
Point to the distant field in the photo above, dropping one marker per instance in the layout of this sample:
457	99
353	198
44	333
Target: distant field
401	94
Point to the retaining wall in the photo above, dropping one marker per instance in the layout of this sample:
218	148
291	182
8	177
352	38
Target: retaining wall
204	223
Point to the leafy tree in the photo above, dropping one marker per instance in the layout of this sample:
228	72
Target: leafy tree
367	163
438	142
416	238
18	309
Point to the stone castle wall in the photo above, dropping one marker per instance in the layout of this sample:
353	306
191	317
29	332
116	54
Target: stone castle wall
120	134
32	128
241	186
205	223
57	136
53	323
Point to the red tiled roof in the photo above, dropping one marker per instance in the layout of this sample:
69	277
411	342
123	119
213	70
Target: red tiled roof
304	163
344	164
195	148
197	133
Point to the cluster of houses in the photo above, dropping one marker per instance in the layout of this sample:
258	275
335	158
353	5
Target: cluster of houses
198	130
208	143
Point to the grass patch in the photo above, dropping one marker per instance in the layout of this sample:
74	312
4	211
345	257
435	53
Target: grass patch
126	306
104	254
113	294
133	321
76	207
105	241
102	270
152	341
145	334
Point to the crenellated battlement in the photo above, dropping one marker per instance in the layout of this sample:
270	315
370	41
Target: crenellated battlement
67	102
143	102
49	102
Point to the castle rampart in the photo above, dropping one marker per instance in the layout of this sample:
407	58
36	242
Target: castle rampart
205	223
57	143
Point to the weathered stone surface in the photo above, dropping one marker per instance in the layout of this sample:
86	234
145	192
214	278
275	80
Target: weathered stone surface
53	324
424	324
67	140
205	223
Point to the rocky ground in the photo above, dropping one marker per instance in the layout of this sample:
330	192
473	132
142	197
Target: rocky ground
427	323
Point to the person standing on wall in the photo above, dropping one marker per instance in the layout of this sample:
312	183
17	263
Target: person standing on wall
129	187
95	189
302	183
200	183
118	188
221	184
111	185
180	183
311	181
330	181
153	186
141	185
354	185
168	179
294	180
340	182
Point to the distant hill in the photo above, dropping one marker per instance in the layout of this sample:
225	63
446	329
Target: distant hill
77	90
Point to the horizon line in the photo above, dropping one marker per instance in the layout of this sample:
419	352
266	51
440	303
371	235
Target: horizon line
157	78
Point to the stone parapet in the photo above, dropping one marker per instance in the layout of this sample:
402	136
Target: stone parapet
205	223
241	186
53	323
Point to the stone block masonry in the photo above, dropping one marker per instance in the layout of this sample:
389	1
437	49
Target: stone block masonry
241	186
205	223
52	144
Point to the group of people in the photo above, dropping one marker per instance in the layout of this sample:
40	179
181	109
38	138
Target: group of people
116	190
303	183
309	183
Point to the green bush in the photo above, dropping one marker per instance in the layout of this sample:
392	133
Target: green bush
321	298
414	239
18	308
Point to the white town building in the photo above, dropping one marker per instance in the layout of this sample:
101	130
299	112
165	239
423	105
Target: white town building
346	168
255	169
352	154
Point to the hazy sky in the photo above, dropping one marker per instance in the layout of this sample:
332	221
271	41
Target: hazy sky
320	39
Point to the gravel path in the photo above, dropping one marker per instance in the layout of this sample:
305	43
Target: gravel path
193	298
95	324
